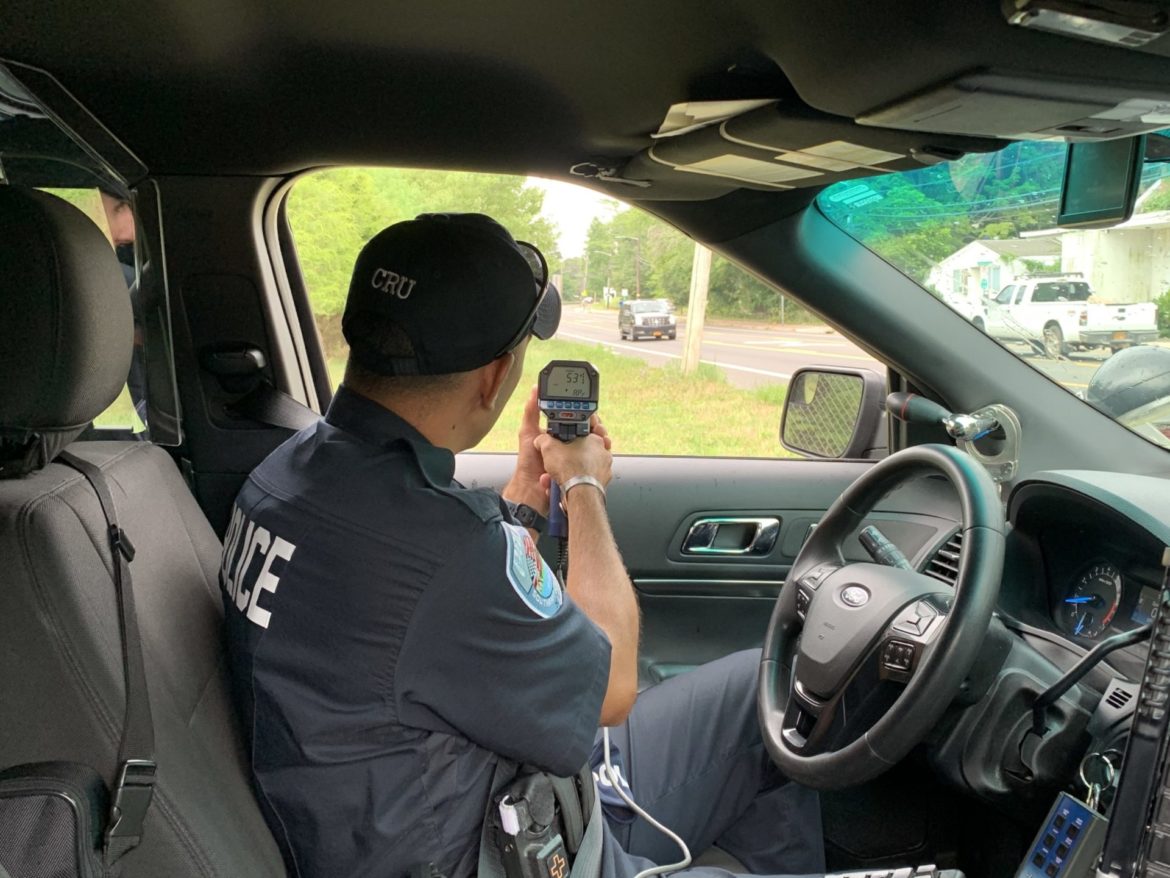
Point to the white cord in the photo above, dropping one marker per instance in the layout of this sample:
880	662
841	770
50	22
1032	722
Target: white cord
612	777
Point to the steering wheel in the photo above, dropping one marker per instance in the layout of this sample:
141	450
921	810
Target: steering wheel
841	626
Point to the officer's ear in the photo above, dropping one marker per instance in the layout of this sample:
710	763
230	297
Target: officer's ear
493	379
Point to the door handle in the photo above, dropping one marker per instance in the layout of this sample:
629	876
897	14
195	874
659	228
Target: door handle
741	536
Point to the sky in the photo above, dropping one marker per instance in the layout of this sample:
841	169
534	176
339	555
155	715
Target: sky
573	208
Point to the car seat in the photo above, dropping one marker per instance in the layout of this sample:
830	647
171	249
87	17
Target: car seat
65	347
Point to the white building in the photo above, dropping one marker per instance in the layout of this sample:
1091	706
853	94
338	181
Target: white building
985	266
1127	263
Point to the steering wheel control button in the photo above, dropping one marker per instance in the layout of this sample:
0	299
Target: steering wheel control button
898	655
803	599
917	619
816	576
855	596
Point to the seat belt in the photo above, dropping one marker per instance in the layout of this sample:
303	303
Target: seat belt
266	404
134	786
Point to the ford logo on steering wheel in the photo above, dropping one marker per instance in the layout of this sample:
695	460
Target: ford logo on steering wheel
854	596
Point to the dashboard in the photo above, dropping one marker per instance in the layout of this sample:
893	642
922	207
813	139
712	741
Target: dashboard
1100	581
1083	563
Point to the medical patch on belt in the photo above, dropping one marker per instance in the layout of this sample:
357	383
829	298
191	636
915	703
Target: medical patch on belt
533	580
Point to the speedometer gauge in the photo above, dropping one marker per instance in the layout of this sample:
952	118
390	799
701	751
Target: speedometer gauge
1090	603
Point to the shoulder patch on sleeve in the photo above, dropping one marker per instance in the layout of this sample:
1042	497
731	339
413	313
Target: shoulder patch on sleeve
532	579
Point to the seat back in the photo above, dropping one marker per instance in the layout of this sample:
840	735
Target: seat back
62	692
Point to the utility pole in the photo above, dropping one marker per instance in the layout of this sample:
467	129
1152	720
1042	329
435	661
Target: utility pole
696	308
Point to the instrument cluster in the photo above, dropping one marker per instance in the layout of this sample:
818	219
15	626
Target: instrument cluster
1102	599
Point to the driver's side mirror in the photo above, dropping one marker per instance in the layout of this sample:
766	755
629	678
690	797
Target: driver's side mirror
835	413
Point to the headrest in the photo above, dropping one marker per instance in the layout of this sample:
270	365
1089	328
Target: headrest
66	331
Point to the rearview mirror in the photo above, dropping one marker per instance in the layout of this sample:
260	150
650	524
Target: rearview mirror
1100	185
832	412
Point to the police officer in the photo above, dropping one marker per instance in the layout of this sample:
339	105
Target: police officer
395	636
120	221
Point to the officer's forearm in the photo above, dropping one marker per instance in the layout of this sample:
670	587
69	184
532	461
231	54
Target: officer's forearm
599	585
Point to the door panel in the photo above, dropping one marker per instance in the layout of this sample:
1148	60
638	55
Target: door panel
698	607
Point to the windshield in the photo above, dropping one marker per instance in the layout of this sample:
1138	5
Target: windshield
1088	308
646	306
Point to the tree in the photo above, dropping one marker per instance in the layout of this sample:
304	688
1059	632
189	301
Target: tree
573	277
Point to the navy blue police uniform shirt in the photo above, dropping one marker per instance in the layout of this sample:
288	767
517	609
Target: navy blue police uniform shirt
391	635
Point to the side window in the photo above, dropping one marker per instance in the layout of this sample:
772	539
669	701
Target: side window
115	217
1006	294
1047	292
625	280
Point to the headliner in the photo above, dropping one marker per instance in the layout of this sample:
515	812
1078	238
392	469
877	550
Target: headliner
246	87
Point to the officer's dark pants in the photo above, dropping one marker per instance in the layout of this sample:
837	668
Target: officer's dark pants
694	758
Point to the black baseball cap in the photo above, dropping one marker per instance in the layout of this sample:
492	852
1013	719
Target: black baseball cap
458	286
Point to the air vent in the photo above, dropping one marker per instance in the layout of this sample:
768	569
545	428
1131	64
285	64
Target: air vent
1118	698
944	566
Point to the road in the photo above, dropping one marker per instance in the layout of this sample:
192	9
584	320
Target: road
1073	371
752	357
749	357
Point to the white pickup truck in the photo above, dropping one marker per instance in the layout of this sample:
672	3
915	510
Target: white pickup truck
1057	314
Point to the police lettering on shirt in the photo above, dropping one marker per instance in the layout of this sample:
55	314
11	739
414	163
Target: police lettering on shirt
246	568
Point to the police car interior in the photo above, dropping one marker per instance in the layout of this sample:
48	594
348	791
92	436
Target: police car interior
931	678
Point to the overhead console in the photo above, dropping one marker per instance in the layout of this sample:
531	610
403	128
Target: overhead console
780	146
1023	106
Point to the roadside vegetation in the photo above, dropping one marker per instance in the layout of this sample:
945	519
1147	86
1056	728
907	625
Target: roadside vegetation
658	410
654	409
1163	304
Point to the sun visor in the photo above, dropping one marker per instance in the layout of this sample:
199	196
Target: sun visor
780	147
1020	106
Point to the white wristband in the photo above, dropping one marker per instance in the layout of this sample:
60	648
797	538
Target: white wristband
582	480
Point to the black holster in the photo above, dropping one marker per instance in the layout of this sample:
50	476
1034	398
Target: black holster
540	821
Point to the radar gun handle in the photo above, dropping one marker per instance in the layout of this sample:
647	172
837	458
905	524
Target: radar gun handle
558	525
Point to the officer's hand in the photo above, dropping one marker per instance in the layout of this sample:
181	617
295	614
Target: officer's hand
587	456
598	428
526	485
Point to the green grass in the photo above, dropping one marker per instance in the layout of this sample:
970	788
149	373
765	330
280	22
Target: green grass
655	409
120	414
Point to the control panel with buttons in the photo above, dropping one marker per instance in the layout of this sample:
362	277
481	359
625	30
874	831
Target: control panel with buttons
910	633
803	599
917	618
898	655
1068	843
813	578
